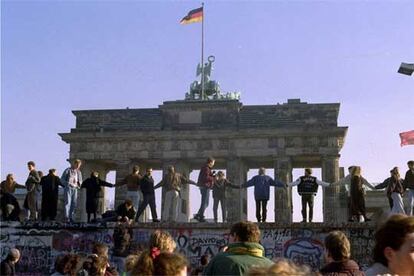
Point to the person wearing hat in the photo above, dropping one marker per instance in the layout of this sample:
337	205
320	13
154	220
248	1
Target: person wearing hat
7	267
307	189
409	184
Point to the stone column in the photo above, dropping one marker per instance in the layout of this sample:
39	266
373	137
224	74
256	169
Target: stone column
333	205
123	168
184	205
283	196
236	199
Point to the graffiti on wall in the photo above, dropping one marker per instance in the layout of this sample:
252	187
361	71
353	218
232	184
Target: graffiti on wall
304	246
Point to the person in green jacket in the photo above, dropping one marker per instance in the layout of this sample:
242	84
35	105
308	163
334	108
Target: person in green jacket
243	252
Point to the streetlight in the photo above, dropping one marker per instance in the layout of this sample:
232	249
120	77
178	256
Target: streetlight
406	68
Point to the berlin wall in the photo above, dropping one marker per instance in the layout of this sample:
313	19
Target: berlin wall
41	245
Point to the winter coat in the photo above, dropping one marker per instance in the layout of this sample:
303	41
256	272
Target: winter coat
237	260
147	185
173	182
10	188
409	180
221	186
7	268
50	194
262	185
206	177
93	189
344	268
123	212
132	181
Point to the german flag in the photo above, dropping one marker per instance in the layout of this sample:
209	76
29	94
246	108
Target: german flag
193	16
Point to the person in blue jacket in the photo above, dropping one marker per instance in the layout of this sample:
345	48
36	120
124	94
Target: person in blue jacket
262	183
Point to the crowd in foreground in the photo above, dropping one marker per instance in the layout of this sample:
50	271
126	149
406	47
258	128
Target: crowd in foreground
393	254
41	201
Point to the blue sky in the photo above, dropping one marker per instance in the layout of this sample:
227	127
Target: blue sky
59	56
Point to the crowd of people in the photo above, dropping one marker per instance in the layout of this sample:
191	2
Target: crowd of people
393	254
141	193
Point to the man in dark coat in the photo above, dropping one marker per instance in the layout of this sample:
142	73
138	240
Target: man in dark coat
205	182
262	183
93	189
7	267
409	184
32	184
50	195
147	189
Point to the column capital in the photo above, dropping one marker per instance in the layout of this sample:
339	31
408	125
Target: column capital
328	157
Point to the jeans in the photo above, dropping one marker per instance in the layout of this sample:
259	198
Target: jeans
222	202
410	201
170	211
205	196
307	199
71	198
261	210
148	199
135	196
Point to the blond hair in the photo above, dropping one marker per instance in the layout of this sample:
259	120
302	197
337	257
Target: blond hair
281	267
162	240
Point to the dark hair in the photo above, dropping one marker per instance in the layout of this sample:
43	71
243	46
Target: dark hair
308	170
169	264
204	259
411	162
128	202
31	163
100	249
246	231
338	246
210	159
135	168
52	170
67	264
392	234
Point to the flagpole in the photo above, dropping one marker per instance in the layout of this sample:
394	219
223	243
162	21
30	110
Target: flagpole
202	54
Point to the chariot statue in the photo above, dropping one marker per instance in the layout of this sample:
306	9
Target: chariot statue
207	89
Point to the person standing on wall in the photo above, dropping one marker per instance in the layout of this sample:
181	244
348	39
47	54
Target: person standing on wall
132	181
262	183
32	184
205	182
148	192
357	199
409	184
172	182
221	184
307	189
395	190
93	186
346	181
71	179
50	195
